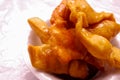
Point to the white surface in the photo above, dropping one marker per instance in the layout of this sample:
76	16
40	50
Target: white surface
12	64
15	33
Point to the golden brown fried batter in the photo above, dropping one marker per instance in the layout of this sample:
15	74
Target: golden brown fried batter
106	28
97	45
60	16
78	68
60	49
115	57
56	59
61	36
78	36
92	16
40	28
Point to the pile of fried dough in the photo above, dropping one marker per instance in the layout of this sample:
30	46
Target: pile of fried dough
77	36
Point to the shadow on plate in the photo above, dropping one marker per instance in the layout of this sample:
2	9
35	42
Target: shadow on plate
92	73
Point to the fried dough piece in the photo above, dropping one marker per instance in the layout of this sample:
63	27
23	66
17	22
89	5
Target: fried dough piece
54	35
51	35
115	57
92	16
40	28
106	28
78	68
62	42
101	48
61	36
57	60
97	45
67	38
60	16
62	52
